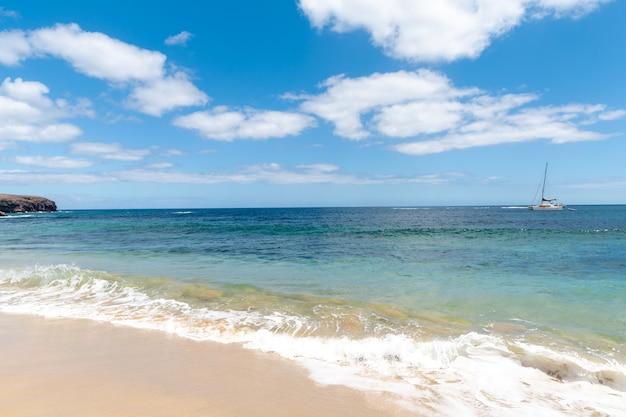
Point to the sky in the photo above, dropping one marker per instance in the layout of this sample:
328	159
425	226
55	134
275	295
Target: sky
305	103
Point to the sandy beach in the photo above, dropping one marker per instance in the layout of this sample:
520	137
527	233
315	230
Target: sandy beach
65	368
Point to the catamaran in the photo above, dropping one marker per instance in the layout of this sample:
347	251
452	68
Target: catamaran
547	203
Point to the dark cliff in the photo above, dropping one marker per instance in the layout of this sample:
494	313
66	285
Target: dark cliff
25	203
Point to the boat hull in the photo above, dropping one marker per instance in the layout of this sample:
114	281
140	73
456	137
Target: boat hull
552	207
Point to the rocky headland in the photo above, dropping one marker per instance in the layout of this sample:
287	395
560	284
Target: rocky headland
10	203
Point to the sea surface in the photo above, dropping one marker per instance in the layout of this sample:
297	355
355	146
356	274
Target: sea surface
448	311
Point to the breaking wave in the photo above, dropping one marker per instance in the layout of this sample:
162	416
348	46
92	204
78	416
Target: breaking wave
378	348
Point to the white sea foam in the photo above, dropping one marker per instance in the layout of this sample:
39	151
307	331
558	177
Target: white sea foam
16	216
468	375
411	208
472	375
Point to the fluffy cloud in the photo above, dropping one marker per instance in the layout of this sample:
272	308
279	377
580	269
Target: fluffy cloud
425	105
54	133
97	55
154	89
347	100
165	94
14	47
227	125
28	114
424	30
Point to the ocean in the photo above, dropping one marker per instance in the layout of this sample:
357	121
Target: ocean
464	311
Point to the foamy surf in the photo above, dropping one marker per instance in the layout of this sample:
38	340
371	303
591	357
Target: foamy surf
463	374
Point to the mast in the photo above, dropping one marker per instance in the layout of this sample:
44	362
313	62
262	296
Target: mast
543	188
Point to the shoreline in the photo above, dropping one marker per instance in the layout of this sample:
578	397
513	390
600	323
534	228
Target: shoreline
82	368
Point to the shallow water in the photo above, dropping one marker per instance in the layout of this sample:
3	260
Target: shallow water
486	311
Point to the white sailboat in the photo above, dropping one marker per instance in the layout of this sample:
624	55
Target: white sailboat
547	203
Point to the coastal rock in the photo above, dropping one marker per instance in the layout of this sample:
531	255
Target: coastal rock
25	203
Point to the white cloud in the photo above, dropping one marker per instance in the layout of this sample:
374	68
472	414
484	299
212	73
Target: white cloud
418	117
390	97
425	105
97	55
165	94
228	125
12	110
179	39
32	94
28	114
112	151
154	90
14	47
60	162
50	133
612	115
424	30
556	124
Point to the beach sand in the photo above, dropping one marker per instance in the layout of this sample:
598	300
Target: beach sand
67	368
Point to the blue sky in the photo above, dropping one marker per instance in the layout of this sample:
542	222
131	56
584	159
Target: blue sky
312	102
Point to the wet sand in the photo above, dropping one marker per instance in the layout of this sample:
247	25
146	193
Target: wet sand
80	368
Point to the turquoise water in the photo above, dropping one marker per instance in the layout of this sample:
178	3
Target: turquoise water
497	310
